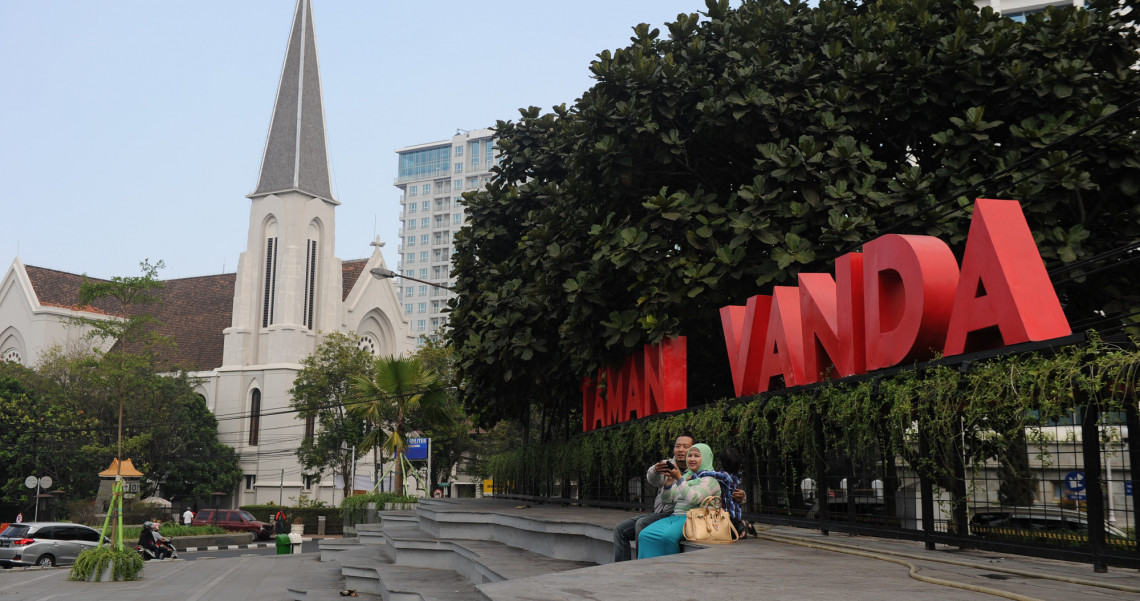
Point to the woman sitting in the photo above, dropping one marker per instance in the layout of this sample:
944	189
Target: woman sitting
663	537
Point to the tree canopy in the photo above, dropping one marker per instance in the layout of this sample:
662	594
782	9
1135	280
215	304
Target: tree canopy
319	393
746	145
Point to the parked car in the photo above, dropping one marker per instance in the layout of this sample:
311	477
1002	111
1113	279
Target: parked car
44	543
1006	521
235	520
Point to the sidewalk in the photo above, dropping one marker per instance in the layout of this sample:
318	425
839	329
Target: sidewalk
784	564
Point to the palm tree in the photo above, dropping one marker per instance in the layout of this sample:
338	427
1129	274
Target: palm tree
398	390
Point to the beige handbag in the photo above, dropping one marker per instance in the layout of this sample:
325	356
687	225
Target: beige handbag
710	524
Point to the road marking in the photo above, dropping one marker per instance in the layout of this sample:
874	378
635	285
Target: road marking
217	580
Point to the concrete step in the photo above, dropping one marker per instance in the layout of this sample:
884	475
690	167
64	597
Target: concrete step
405	583
479	561
331	547
540	529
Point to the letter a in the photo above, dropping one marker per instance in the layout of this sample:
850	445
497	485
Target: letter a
1004	294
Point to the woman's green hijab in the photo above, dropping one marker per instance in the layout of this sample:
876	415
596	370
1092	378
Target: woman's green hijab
706	457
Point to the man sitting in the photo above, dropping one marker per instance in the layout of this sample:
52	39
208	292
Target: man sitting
628	530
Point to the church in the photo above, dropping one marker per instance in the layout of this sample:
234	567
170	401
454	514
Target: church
246	333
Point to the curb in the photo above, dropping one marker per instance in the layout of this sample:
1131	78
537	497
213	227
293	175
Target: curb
235	547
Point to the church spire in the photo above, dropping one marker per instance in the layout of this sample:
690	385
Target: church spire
296	153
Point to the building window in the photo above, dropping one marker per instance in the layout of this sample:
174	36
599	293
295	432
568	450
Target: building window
457	218
411	258
411	207
310	284
421	325
254	416
459	167
427	189
424	222
409	291
458	151
250	481
457	184
423	274
310	427
425	206
424	239
411	224
423	307
423	289
270	282
412	239
408	308
423	257
413	190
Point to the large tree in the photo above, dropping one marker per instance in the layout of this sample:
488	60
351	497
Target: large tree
320	393
748	145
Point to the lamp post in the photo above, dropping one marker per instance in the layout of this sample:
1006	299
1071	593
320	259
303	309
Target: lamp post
382	274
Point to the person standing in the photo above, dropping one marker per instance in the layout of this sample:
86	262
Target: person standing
628	530
19	518
187	516
281	523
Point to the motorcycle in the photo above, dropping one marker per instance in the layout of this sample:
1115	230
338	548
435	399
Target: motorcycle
167	547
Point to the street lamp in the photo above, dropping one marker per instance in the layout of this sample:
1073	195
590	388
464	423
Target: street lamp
382	274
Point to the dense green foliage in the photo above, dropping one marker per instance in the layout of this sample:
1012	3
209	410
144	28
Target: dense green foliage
745	146
126	564
319	393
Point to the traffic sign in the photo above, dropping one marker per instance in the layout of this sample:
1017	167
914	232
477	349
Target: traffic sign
1075	481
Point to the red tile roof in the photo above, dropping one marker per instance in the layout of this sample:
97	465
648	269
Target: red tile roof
192	312
350	272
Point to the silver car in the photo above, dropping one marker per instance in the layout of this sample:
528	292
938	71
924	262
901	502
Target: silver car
44	543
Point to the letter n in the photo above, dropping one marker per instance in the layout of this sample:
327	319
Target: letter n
1004	295
664	376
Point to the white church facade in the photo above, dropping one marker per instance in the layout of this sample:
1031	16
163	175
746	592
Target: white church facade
246	333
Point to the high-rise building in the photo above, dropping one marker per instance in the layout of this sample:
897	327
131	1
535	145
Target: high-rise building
433	178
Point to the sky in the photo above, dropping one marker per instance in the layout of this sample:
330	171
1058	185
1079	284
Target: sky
133	130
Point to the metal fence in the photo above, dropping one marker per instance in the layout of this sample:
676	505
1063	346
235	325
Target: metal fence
1057	486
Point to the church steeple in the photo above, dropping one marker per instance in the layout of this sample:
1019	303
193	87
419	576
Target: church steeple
296	153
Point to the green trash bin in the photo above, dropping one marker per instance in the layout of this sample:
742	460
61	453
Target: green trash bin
283	547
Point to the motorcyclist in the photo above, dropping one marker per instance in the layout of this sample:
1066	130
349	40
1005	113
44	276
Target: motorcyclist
148	542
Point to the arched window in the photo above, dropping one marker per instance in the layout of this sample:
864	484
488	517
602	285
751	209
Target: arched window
254	416
267	308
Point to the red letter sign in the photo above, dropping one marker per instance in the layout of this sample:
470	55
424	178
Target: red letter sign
1004	294
909	284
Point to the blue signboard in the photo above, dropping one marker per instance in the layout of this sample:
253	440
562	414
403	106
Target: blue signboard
1075	481
417	449
1128	488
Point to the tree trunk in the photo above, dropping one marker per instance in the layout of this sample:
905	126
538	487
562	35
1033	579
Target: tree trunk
399	485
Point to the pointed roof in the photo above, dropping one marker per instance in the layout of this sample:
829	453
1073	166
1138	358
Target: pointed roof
128	469
296	152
